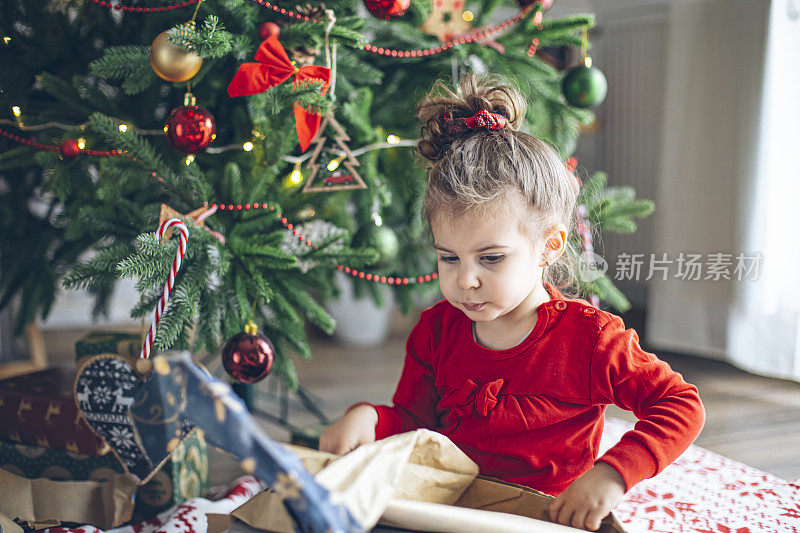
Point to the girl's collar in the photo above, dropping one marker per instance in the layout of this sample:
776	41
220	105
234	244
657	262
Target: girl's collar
553	292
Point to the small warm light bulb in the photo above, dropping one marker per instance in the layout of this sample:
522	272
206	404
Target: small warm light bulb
247	146
6	39
189	159
392	139
334	163
123	128
588	62
468	16
296	176
16	110
81	143
166	128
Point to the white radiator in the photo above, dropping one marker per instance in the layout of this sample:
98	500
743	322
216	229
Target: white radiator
629	47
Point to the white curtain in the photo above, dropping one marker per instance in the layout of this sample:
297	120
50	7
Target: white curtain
729	183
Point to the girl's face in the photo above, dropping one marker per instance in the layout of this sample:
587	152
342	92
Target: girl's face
487	267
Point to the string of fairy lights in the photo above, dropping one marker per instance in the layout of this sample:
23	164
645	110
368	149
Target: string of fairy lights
70	148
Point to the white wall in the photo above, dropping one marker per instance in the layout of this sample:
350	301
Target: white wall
73	309
628	45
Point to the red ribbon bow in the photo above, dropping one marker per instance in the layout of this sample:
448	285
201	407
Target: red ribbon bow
273	68
472	399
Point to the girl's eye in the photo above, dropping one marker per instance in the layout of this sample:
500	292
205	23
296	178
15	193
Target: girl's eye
448	258
492	258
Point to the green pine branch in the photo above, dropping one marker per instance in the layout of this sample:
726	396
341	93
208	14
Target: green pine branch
209	40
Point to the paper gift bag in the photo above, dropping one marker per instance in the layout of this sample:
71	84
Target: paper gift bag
103	504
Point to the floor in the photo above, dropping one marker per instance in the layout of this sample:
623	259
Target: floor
752	419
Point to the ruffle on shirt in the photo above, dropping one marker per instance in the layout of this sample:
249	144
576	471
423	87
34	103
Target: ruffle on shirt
510	412
472	398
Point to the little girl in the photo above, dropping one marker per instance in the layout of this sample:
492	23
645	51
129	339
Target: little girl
512	371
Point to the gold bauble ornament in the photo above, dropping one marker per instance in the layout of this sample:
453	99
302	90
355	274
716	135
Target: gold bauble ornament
171	62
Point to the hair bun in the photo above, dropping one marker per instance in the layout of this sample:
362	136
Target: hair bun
442	106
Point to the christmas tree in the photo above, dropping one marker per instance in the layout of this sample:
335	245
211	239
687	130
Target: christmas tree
207	107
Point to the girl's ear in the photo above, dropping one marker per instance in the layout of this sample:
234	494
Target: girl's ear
556	243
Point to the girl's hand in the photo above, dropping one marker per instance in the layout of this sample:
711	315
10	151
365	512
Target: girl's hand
354	428
589	498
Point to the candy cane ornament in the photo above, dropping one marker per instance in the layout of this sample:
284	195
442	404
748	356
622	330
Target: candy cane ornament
173	271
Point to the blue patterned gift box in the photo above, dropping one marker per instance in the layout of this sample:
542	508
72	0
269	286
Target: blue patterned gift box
179	389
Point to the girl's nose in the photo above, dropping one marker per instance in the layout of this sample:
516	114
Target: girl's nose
468	279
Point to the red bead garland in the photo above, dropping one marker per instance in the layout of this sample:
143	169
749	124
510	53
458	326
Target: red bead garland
30	142
532	48
302	238
451	43
537	19
187	3
118	7
368	47
50	148
289	13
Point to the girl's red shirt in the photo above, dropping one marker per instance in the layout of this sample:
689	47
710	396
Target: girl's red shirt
533	414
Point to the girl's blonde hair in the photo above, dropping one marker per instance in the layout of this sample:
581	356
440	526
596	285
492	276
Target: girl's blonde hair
472	170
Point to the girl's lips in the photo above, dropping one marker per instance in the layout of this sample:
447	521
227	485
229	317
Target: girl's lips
473	307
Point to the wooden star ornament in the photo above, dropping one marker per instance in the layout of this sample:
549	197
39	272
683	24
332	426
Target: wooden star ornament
196	217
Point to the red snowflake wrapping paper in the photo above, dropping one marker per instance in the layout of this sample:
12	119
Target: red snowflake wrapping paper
704	492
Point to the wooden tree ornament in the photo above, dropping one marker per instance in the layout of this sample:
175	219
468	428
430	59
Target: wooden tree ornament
336	179
446	20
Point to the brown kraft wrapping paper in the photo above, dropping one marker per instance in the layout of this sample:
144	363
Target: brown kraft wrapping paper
418	480
103	504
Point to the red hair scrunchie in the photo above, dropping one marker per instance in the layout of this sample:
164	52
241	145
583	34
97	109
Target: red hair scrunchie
482	120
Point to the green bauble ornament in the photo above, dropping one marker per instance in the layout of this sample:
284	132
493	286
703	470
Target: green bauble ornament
383	239
584	86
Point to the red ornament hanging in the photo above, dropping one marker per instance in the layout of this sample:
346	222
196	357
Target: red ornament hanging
387	9
268	29
70	149
248	356
190	128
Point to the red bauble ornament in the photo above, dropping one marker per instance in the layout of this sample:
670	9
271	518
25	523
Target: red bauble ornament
190	129
70	149
267	30
387	9
248	356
